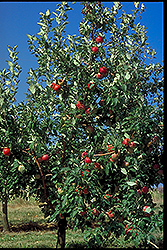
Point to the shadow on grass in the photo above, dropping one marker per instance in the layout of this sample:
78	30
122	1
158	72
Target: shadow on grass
31	226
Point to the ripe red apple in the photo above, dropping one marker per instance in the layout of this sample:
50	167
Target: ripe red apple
156	166
111	159
57	87
91	85
110	148
52	85
45	157
103	71
155	139
139	192
99	39
85	191
87	111
126	163
125	142
132	145
6	151
89	129
84	154
107	196
146	213
130	230
86	171
114	156
99	76
110	214
87	160
95	211
80	106
145	190
94	50
97	165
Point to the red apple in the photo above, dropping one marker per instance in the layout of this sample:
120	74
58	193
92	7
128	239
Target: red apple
99	39
84	154
126	163
114	156
145	190
87	111
132	145
80	106
144	209
110	214
95	211
156	166
97	165
111	159
6	151
129	230
95	50
86	171
155	139
139	192
57	87
99	76
110	148
45	157
91	85
87	160
125	142
107	196
103	71
85	191
52	85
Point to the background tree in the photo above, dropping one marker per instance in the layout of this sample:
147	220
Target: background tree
92	124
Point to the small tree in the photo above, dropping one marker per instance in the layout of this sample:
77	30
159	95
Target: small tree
94	111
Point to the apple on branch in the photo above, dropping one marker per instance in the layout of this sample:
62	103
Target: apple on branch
6	151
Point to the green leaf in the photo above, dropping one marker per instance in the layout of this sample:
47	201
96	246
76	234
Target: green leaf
29	36
123	170
124	87
131	183
127	76
74	212
32	89
47	13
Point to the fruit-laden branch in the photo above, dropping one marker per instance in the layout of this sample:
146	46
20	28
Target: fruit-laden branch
43	179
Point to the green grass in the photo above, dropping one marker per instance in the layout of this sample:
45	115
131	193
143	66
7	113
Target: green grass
29	228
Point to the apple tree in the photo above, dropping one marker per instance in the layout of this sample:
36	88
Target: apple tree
92	124
12	181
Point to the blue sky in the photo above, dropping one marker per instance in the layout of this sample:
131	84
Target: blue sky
20	18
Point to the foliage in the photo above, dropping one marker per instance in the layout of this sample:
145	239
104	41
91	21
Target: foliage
65	123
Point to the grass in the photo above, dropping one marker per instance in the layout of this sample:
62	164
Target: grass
29	228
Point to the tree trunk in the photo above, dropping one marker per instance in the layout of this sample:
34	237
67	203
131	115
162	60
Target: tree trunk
61	232
5	214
